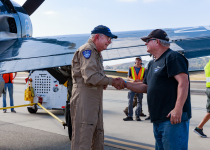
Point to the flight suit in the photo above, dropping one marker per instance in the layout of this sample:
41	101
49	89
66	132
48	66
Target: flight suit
86	101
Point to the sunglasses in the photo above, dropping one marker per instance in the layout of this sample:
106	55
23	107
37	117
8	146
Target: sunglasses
147	41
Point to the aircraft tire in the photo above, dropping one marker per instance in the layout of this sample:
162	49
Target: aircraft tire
31	110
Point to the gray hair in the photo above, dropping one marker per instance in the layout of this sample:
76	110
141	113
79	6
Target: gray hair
164	43
92	36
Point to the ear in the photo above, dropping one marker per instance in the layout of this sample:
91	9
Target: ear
97	35
157	41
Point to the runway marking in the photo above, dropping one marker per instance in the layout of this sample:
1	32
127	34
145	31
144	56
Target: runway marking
129	144
117	146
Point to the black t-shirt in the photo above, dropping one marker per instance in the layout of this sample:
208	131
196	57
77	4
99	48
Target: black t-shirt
162	86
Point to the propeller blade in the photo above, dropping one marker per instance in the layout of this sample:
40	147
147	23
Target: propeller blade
31	5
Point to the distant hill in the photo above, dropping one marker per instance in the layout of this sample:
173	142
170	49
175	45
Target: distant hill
123	66
198	63
194	64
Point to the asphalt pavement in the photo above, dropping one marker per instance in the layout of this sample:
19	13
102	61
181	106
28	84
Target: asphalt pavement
25	131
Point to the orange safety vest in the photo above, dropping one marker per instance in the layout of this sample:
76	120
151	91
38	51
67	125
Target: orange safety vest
8	76
140	74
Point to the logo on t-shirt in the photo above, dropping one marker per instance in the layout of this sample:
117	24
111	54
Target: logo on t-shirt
156	69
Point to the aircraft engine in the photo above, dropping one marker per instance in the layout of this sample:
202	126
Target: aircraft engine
15	23
14	19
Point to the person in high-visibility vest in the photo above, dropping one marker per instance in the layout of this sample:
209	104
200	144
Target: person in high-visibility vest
199	128
136	74
8	79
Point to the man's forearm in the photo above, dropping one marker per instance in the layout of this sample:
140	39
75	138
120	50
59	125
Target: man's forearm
182	90
137	87
182	93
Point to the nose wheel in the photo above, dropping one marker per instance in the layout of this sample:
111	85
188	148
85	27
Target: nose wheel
32	110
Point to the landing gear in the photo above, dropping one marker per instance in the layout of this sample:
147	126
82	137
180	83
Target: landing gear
68	119
69	127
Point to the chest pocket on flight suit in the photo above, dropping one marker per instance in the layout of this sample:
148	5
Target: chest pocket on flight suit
100	64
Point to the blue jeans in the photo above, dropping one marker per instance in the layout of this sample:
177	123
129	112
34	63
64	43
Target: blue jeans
10	89
171	137
208	100
131	95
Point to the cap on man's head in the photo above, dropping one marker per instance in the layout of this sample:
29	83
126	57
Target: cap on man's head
103	30
157	34
138	57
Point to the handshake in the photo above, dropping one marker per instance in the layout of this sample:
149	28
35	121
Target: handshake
118	83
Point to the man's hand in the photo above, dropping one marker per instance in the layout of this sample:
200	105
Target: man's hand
176	116
137	80
15	75
118	83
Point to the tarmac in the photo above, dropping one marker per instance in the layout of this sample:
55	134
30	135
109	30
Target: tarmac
25	131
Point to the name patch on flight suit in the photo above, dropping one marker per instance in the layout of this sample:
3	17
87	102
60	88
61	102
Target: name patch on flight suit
86	53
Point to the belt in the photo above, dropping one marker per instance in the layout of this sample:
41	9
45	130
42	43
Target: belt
84	85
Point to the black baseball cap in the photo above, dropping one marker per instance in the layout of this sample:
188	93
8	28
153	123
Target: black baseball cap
103	30
158	34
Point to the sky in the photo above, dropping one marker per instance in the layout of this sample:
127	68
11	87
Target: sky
63	17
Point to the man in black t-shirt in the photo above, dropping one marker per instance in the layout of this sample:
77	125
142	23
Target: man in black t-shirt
168	95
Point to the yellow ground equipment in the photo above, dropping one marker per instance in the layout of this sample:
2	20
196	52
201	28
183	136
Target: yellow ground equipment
46	90
29	92
62	122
